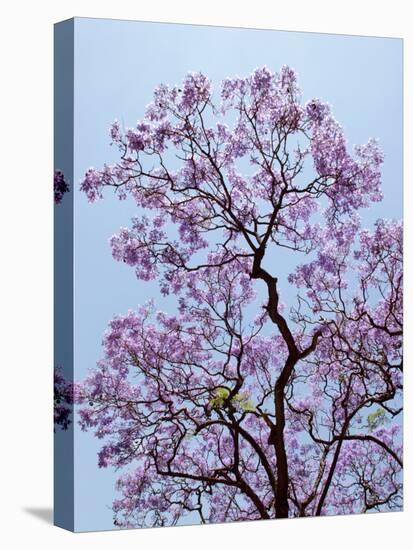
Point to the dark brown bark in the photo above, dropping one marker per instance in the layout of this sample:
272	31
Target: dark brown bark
329	478
277	433
294	355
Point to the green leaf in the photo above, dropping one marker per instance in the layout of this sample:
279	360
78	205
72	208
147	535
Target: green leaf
221	394
240	400
247	405
376	418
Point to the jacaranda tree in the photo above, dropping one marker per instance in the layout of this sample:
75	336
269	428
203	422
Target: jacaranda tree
241	405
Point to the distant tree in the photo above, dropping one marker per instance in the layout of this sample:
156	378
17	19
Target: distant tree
239	407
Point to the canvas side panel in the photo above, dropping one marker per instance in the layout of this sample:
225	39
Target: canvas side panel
63	274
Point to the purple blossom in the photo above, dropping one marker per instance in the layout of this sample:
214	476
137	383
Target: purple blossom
60	186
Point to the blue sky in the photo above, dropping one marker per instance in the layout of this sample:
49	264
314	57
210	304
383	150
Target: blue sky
117	66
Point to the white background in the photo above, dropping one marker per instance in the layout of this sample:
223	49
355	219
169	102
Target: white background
26	279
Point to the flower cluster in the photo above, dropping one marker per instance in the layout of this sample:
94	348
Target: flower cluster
60	186
66	394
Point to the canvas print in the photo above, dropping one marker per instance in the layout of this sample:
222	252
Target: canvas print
228	275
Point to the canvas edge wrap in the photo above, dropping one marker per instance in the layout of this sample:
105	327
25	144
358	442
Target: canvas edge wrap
63	263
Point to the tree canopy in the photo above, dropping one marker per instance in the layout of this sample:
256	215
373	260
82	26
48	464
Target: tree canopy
239	405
